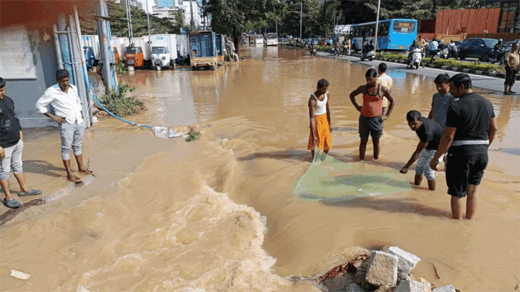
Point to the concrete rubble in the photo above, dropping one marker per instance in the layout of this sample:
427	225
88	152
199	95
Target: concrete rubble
407	261
381	271
413	286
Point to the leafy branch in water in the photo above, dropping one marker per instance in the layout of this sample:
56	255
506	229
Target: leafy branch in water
120	103
121	67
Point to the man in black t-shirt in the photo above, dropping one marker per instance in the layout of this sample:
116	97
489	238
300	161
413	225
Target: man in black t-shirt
429	133
470	130
11	147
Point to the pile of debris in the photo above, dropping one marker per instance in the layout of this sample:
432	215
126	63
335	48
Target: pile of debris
380	271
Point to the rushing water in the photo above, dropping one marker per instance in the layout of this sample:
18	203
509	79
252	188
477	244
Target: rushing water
219	214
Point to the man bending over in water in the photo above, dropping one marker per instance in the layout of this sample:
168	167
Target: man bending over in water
429	133
319	116
371	118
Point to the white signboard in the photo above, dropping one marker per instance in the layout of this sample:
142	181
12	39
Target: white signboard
342	29
16	58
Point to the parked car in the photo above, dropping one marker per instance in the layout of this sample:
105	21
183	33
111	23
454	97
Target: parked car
480	48
509	44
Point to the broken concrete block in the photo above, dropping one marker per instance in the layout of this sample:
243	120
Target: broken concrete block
382	269
413	286
355	288
360	277
384	289
338	283
449	288
401	276
407	261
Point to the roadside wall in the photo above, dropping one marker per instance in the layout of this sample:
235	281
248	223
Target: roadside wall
476	21
25	92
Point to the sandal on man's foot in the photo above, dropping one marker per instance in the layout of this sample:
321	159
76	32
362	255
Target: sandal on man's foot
507	93
30	192
86	172
13	204
512	92
74	179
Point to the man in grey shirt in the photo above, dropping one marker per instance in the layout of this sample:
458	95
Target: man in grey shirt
441	100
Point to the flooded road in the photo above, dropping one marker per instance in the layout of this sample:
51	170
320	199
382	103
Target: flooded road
219	214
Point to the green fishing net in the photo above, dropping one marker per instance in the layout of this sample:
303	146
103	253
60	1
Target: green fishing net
331	180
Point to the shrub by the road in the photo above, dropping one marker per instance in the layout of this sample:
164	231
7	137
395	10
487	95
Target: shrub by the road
475	65
120	103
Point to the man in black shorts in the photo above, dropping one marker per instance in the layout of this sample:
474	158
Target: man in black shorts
470	130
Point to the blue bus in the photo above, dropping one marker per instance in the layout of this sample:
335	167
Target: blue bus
393	34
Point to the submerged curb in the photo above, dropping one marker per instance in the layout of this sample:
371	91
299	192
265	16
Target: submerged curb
11	213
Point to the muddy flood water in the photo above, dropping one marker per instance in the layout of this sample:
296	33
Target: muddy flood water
219	214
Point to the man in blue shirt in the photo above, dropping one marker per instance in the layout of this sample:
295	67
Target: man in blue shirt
441	100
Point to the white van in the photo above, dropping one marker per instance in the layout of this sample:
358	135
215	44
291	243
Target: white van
163	50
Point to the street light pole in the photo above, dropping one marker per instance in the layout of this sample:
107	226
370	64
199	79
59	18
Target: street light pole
301	19
377	24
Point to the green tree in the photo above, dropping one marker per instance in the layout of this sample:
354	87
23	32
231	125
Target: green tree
234	17
359	11
119	25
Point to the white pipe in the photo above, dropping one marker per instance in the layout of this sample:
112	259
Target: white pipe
88	99
58	48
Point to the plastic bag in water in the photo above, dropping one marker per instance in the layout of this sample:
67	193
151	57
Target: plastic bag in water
160	132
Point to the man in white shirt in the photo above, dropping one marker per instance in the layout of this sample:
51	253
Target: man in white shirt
385	81
65	100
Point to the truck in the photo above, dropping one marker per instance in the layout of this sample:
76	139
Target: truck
118	45
221	48
163	50
92	41
90	58
183	50
137	54
272	39
259	39
203	50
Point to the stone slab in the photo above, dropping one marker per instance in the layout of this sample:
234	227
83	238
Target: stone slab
355	288
382	269
407	261
413	286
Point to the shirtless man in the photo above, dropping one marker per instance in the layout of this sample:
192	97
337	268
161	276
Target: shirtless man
371	118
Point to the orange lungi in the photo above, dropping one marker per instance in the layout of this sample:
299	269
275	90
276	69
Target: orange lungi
322	133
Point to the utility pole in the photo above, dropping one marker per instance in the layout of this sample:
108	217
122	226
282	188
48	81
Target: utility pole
334	26
129	20
301	19
276	24
192	23
148	21
105	44
377	24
